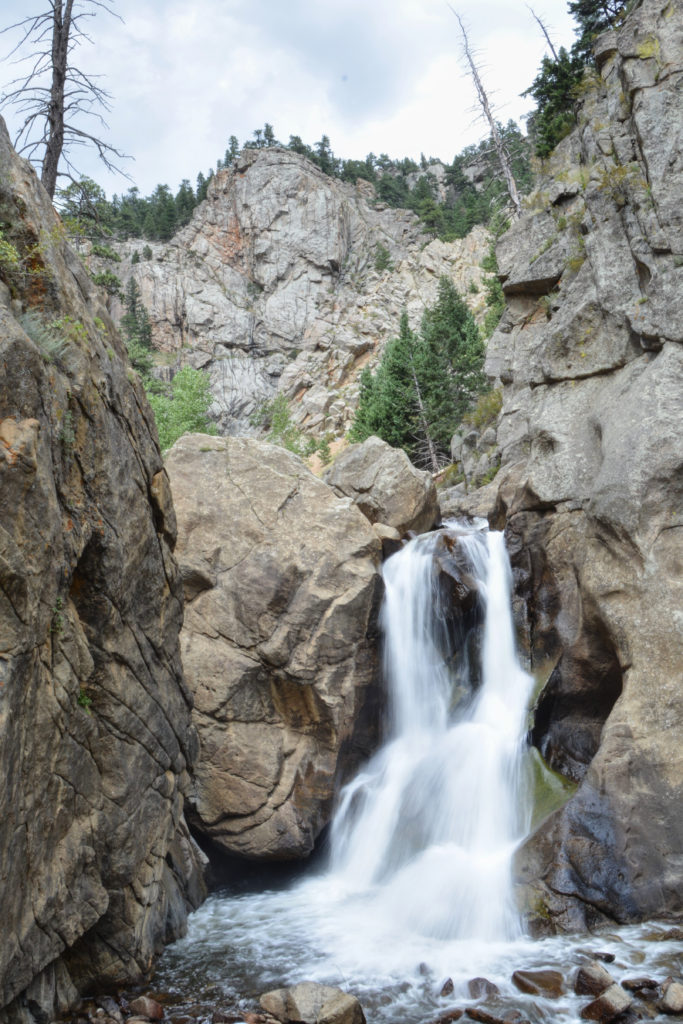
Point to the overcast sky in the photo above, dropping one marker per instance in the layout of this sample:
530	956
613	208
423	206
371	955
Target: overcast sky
374	75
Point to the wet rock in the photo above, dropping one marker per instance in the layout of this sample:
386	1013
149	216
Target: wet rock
672	997
607	958
539	983
310	1003
280	654
447	987
643	985
484	1016
610	1004
449	1016
385	486
481	988
146	1007
592	979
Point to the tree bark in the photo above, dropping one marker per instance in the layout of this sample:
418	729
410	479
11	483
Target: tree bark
61	27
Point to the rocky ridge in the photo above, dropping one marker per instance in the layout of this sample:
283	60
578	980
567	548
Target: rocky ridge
273	287
589	357
98	869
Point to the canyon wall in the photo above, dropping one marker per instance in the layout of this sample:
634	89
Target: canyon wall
98	868
589	357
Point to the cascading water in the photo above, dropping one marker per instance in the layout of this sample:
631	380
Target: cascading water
418	886
429	827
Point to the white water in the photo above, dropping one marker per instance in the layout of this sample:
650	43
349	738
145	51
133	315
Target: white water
418	884
428	829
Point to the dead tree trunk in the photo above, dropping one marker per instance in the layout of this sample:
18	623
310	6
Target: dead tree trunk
54	144
501	151
544	30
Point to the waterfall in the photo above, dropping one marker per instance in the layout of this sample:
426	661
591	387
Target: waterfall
429	827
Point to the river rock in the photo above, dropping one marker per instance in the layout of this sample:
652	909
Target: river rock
481	988
95	734
543	982
385	486
592	979
279	645
609	1004
590	484
672	997
310	1003
145	1006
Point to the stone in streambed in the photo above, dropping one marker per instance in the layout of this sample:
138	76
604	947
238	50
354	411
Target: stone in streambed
672	997
639	984
146	1007
610	1004
310	1003
539	983
481	988
592	979
447	987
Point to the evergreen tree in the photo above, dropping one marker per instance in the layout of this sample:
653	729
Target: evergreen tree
554	90
593	17
185	203
424	383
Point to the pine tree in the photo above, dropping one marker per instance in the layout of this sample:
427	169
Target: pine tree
594	17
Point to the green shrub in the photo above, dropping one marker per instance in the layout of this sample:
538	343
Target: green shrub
183	408
276	417
382	258
486	410
105	253
45	334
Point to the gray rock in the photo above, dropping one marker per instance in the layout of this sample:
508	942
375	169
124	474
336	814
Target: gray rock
590	484
278	647
385	486
272	286
310	1003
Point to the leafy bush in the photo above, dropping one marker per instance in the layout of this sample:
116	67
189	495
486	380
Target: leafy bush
382	258
184	408
276	417
486	410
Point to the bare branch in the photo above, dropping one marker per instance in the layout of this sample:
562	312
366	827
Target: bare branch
544	30
501	151
50	108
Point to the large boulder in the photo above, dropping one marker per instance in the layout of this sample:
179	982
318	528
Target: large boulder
97	867
591	482
385	486
282	588
310	1003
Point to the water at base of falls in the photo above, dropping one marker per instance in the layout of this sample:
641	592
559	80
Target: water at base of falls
417	888
427	830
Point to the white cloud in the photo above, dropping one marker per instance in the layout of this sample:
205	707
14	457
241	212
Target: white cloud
380	75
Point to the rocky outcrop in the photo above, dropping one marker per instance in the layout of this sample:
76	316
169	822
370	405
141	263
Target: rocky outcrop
97	867
282	588
273	285
385	486
589	355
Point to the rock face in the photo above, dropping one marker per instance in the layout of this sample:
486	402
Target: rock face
385	486
589	354
282	588
273	285
96	864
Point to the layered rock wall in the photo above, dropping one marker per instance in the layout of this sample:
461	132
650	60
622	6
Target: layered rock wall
589	355
97	869
273	285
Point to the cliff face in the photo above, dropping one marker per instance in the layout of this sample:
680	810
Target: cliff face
589	355
95	737
273	286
